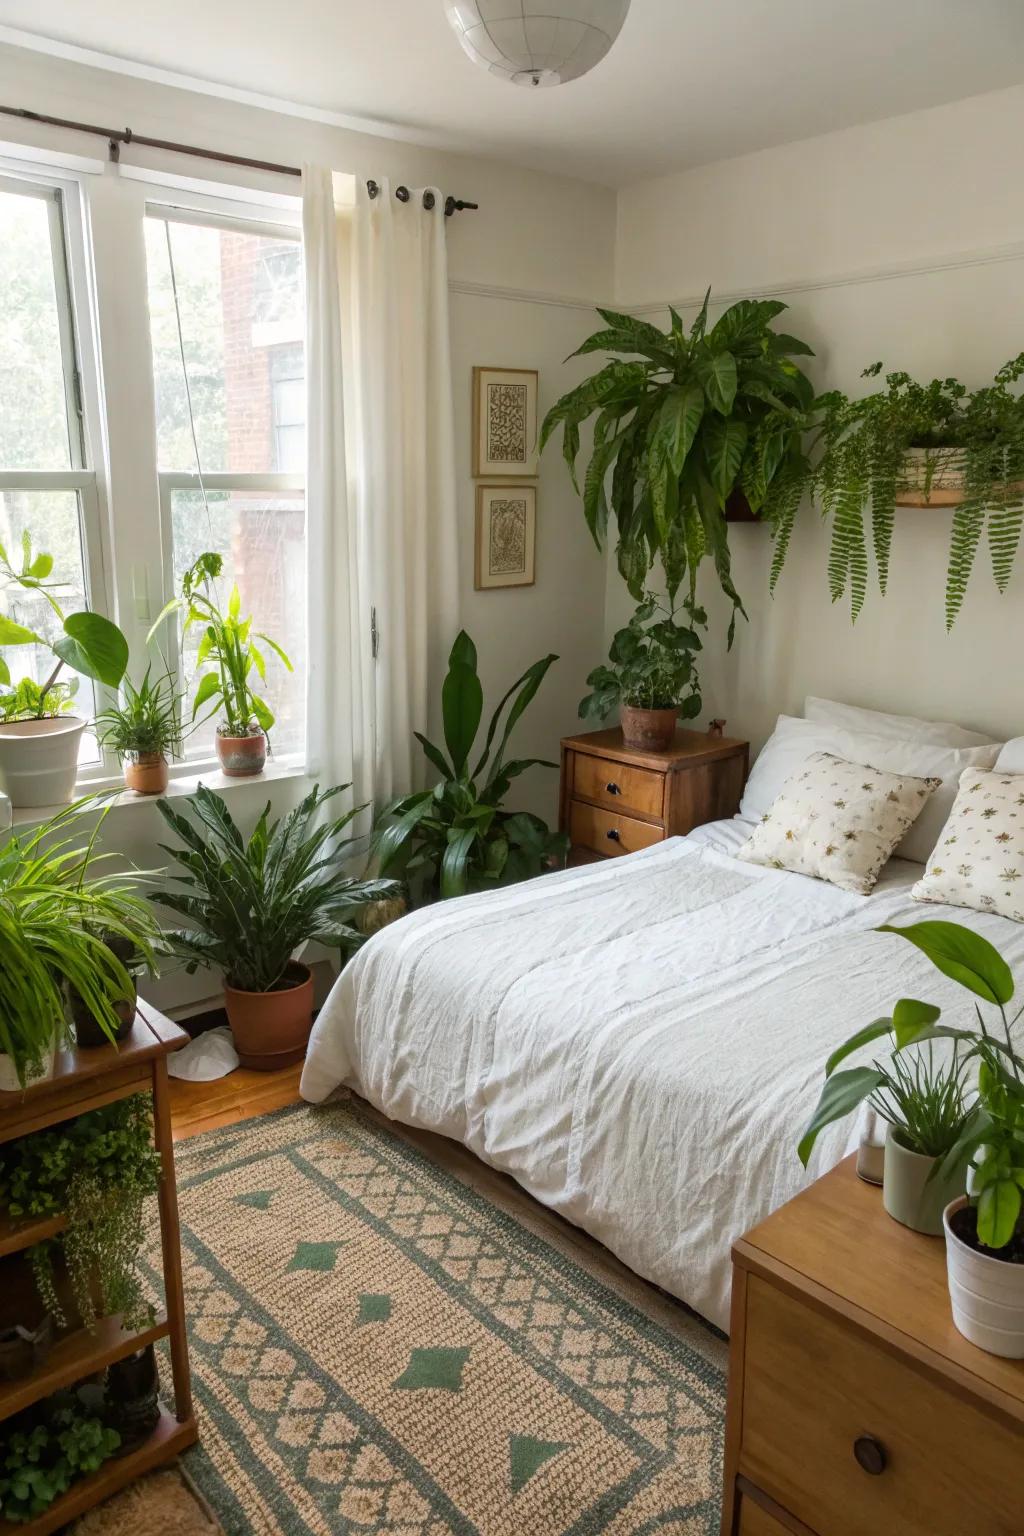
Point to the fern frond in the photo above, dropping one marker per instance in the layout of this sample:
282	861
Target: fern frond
1006	521
786	496
968	523
884	472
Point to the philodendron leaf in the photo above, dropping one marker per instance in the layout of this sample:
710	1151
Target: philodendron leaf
962	955
16	634
910	1017
998	1209
873	1031
841	1094
93	646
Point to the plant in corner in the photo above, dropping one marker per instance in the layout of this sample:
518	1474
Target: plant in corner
700	415
652	677
251	903
228	647
144	729
457	837
39	740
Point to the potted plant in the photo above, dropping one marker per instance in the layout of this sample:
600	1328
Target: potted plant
228	646
911	444
144	729
652	677
700	416
39	738
56	903
457	837
922	1101
250	904
46	1449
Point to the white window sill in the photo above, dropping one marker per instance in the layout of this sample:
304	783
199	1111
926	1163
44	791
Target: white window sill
180	787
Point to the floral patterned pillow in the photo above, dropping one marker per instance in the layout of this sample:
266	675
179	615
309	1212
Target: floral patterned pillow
837	821
979	858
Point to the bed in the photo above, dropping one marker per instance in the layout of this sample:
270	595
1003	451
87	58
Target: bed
639	1042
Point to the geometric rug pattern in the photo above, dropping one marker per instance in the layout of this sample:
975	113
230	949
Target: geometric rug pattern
378	1348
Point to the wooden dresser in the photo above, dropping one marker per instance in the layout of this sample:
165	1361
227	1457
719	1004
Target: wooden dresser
615	799
855	1407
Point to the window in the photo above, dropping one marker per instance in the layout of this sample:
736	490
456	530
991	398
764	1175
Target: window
47	489
227	320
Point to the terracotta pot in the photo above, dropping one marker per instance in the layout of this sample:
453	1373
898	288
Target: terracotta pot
242	756
649	730
146	773
271	1029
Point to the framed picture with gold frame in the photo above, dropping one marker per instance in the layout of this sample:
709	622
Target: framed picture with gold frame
506	536
505	422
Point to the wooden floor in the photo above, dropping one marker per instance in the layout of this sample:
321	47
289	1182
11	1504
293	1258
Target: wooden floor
242	1094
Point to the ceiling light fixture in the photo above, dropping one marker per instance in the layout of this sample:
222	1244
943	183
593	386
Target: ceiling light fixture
536	42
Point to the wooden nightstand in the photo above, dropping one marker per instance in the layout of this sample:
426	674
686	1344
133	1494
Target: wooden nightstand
855	1407
615	799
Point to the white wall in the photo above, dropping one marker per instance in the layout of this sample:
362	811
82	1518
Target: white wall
902	241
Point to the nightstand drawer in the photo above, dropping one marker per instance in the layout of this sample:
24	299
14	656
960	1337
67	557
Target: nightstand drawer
618	786
853	1441
755	1521
607	833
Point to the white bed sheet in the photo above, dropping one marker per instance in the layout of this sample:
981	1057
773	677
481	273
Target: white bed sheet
638	1042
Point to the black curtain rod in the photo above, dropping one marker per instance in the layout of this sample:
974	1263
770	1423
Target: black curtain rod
115	137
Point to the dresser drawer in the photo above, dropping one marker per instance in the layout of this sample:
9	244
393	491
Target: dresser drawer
813	1387
619	786
755	1521
608	833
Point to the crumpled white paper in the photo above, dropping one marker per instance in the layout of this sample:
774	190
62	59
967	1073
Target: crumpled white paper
210	1055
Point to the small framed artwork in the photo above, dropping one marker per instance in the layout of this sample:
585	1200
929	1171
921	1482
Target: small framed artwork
505	421
506	536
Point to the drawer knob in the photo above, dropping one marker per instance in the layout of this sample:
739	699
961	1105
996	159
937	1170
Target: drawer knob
613	789
870	1454
614	835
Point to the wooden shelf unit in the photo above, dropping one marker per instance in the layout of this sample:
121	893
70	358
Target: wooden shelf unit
86	1079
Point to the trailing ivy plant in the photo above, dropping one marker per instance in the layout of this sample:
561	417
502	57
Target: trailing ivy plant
97	1170
700	414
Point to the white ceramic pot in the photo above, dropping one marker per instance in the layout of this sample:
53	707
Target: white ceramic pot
9	1073
931	477
39	760
987	1294
912	1192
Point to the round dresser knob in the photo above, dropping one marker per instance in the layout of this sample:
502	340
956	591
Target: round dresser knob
614	834
870	1454
612	789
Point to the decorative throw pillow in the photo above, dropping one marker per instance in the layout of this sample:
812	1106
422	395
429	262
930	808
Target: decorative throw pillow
838	821
979	859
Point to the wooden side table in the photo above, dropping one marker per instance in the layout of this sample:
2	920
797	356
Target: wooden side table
616	799
855	1408
84	1080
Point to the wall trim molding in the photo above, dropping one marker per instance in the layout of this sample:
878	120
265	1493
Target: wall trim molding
915	267
524	295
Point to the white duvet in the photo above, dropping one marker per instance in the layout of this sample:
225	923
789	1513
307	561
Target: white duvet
638	1042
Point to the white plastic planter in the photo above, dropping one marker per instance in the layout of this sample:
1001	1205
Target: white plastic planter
9	1073
39	760
987	1294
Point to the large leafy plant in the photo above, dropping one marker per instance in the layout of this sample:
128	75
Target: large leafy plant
701	413
57	903
990	1136
227	646
88	643
457	836
651	664
251	902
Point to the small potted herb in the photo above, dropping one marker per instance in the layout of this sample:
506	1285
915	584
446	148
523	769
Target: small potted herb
144	729
46	1449
652	677
228	648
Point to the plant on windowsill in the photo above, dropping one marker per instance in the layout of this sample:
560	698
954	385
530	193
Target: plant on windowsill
58	910
703	414
652	677
39	739
144	728
251	904
457	837
228	647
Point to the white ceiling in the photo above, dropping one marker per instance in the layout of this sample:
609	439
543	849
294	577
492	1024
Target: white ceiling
689	81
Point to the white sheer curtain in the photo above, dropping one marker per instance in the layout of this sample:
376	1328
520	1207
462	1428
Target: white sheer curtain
382	535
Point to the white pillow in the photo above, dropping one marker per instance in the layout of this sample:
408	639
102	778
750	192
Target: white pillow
1011	758
794	741
979	859
905	727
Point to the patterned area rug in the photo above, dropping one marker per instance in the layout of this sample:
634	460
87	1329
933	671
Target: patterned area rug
378	1347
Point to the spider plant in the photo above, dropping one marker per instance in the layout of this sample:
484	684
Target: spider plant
145	722
55	908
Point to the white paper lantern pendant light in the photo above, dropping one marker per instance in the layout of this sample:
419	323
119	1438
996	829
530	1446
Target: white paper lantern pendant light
537	42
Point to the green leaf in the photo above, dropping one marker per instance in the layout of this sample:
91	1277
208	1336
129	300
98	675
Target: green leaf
463	651
235	603
462	703
962	955
872	1031
676	426
278	652
725	441
700	325
209	687
717	373
455	861
789	346
93	646
998	1209
909	1017
841	1094
435	756
16	634
168	608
